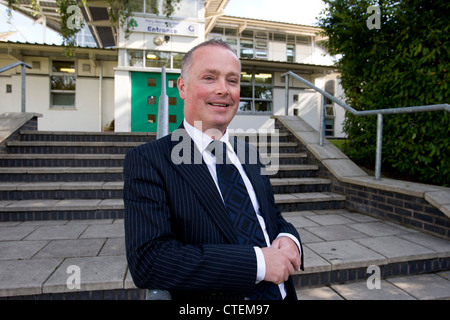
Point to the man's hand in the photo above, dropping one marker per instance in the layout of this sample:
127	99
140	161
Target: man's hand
282	260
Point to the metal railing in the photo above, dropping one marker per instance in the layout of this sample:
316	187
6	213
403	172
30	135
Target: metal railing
24	66
379	113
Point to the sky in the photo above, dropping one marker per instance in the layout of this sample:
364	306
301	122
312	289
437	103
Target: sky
291	11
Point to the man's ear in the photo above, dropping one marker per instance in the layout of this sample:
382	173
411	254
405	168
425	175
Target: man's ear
181	88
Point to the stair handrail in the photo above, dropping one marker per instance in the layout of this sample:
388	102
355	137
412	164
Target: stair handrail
24	66
378	112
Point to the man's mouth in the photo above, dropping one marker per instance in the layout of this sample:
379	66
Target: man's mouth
224	105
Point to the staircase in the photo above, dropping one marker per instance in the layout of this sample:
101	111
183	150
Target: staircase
61	205
53	176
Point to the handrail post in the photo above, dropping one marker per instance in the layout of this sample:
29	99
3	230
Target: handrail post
322	121
287	94
23	88
163	108
379	146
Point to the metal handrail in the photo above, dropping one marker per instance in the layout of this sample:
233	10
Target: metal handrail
379	113
24	66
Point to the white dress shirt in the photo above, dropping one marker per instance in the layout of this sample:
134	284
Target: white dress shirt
202	141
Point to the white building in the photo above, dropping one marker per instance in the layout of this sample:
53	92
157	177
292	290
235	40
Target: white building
119	82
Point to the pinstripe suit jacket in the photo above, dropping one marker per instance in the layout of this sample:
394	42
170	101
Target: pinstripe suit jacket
177	231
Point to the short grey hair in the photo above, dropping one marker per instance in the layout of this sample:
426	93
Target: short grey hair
187	59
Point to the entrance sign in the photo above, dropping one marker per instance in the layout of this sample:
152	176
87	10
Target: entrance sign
168	27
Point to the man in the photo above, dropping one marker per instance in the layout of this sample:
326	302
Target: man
178	231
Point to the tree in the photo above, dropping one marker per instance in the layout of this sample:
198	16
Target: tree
404	62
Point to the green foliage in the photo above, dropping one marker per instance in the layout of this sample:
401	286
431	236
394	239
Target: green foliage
403	63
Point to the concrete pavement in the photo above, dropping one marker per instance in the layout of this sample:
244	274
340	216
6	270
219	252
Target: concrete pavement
45	257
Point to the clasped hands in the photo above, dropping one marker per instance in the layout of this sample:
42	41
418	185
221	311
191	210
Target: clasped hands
282	260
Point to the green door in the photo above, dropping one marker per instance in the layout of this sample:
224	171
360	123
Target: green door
145	93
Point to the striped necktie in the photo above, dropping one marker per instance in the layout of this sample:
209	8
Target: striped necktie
242	213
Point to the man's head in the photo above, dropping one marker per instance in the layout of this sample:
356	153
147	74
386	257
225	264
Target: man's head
210	85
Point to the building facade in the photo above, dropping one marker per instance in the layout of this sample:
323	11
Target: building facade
120	87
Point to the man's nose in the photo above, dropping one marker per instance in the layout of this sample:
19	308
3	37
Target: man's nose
221	87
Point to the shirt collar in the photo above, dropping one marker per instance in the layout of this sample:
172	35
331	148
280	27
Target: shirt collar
201	139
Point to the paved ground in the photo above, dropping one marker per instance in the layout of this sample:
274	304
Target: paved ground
39	256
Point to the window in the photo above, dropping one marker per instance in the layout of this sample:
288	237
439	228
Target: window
157	59
256	92
62	84
154	59
290	52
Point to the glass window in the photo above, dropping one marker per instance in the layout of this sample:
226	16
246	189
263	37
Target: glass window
177	58
150	6
256	92
157	59
302	39
260	34
135	58
217	30
247	34
265	78
290	52
279	37
231	32
62	84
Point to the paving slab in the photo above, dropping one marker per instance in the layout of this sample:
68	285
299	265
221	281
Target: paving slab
441	246
377	229
56	232
300	222
360	291
113	247
396	249
335	232
104	231
15	233
308	237
25	277
15	250
321	293
331	219
346	254
96	273
71	248
424	287
314	262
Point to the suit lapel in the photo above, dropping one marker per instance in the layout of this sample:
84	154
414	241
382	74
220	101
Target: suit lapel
195	172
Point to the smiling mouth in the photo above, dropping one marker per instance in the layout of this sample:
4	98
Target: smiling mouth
219	104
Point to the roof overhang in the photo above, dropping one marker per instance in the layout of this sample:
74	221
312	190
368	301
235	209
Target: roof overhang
95	13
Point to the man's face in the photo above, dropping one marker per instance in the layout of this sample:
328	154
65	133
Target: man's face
211	90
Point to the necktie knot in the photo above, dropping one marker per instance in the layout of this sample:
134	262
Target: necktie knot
219	150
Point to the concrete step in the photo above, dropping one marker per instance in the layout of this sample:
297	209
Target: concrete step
114	189
51	174
96	159
338	248
32	135
56	209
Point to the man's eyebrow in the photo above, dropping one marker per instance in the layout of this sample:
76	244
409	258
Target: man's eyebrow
215	72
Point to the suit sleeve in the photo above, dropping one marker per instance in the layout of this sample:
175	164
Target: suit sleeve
156	259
